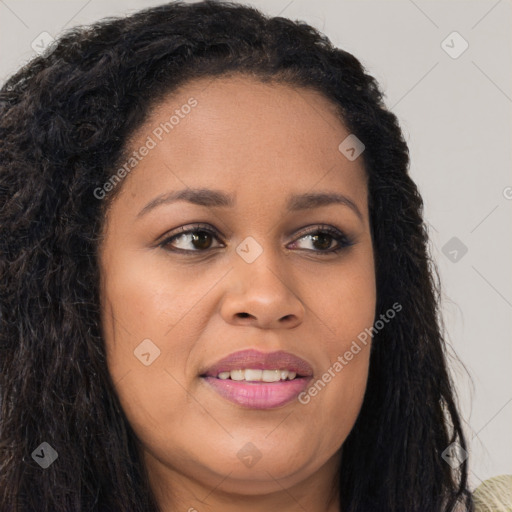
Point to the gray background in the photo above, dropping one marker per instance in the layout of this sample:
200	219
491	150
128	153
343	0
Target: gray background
456	116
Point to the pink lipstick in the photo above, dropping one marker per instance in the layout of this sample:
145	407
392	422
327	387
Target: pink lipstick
259	380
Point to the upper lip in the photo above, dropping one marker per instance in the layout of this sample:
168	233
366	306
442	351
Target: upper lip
253	359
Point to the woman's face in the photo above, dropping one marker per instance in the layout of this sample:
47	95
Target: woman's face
251	270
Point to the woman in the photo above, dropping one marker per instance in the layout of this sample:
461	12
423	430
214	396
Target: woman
215	284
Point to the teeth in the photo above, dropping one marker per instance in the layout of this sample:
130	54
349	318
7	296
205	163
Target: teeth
237	374
253	374
258	375
271	375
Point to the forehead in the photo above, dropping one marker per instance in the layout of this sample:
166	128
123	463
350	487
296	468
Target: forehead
238	106
236	131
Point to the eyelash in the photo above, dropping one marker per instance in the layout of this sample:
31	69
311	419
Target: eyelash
343	240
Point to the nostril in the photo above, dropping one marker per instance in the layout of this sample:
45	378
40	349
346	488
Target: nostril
243	315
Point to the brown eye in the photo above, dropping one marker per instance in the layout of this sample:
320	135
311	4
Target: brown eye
321	240
201	240
192	240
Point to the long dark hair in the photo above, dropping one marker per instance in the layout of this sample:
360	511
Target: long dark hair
65	119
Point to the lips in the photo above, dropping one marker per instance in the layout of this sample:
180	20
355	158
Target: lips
256	394
252	359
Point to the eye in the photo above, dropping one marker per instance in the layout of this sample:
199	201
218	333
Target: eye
322	239
197	239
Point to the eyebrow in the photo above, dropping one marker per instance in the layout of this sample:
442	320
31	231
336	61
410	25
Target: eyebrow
217	198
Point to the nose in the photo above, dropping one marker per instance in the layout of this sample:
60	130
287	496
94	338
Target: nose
261	294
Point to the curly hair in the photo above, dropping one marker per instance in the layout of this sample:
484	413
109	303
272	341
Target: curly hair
65	120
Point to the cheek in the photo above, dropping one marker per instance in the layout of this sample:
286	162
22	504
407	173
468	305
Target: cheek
143	297
346	312
347	301
144	300
151	320
334	397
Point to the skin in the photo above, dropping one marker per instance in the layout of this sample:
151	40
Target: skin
261	142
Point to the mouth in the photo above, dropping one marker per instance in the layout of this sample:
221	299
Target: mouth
259	380
257	375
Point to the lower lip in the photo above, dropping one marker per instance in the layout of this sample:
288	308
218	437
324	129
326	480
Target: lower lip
258	395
